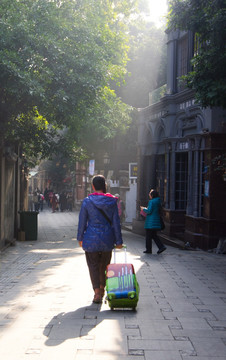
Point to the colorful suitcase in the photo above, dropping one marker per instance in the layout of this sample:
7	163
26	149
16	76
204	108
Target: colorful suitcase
121	285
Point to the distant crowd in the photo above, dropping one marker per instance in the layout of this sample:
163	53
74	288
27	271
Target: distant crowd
57	202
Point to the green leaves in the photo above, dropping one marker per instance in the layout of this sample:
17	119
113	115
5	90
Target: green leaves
206	19
58	57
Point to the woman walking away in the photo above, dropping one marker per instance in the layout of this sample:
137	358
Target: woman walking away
152	222
98	232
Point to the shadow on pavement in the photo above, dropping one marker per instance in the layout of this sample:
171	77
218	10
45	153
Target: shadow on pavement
80	323
71	325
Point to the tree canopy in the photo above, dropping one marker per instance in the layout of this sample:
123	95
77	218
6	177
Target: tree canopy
206	19
58	60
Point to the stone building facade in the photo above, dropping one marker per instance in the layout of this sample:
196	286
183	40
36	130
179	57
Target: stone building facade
13	191
178	142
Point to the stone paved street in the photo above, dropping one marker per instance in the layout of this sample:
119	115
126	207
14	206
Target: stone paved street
46	309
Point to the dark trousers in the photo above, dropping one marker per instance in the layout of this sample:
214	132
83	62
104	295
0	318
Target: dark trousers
97	263
152	234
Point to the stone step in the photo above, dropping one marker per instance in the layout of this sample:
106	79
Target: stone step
168	240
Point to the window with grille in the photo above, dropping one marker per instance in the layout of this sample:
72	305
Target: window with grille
160	175
201	183
182	68
181	181
197	44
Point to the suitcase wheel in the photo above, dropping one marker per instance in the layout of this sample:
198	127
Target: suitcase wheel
111	296
131	294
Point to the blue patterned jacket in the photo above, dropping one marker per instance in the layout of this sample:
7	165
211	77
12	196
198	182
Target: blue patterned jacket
94	230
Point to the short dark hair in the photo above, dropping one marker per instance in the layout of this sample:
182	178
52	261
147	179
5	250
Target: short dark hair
154	193
99	183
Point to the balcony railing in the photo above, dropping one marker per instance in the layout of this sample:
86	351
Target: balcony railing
157	94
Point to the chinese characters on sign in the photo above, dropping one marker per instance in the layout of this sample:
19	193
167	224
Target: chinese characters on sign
183	146
133	170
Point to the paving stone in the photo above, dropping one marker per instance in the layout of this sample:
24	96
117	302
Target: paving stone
161	345
136	352
162	355
198	333
213	347
217	325
186	357
107	356
156	330
46	302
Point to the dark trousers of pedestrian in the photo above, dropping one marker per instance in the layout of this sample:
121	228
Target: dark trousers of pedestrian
36	206
97	263
152	234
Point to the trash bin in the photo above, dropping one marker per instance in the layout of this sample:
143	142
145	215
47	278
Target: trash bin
29	224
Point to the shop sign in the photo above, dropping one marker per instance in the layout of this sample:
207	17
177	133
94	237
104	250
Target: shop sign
133	170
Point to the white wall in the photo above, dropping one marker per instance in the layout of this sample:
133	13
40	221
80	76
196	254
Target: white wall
131	197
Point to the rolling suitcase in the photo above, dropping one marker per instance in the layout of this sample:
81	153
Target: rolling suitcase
121	285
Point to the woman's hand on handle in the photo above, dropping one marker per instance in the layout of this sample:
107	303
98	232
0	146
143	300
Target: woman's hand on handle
119	246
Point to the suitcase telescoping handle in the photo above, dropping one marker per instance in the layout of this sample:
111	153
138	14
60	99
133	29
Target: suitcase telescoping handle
123	247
